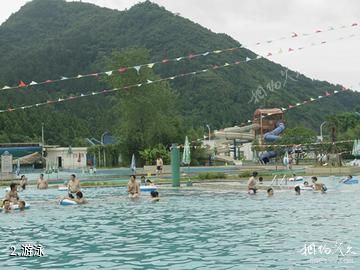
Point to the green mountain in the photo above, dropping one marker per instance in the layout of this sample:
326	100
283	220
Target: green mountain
48	39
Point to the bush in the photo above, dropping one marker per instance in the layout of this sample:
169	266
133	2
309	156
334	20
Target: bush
245	174
212	175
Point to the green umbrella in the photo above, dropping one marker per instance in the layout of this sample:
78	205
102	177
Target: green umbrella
186	159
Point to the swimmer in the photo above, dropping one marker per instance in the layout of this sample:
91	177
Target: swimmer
297	190
12	195
261	180
21	205
133	187
317	185
270	192
154	196
6	206
73	186
23	182
142	182
42	183
348	178
252	183
306	184
149	183
80	198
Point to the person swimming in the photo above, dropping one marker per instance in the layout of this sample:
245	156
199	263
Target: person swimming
80	198
149	183
154	196
133	187
297	190
6	206
317	185
23	182
306	184
73	186
21	205
348	178
42	183
12	195
270	192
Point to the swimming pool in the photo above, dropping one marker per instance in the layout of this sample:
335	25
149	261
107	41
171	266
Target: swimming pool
187	229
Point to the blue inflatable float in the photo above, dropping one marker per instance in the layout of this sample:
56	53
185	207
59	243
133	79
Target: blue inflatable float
351	181
148	188
67	202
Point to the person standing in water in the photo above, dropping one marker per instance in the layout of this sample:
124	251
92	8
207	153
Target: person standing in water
73	186
133	187
42	183
252	183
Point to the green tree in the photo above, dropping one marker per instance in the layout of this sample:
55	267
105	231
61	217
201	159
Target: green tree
147	115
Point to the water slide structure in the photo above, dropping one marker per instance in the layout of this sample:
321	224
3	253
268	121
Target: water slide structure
272	136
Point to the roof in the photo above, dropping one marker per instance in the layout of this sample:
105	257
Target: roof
29	159
259	112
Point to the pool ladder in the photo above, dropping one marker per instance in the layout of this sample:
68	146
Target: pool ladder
279	181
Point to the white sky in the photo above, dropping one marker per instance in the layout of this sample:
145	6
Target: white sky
250	21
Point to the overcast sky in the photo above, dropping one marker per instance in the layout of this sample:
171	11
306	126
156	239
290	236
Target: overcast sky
250	21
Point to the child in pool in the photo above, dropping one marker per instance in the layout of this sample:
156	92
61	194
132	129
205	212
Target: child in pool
154	196
21	205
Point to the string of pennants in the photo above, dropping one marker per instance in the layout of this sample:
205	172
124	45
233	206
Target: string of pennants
190	56
303	144
215	67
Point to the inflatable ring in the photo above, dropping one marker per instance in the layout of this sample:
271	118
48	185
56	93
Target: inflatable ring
148	188
16	206
62	188
67	202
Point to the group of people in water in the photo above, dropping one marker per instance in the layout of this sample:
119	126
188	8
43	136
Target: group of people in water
316	185
133	188
74	191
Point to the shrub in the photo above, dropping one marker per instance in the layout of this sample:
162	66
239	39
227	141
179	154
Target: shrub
212	175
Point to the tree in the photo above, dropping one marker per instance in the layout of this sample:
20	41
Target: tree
147	114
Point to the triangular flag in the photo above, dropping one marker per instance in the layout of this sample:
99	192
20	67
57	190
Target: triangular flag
205	53
226	64
258	56
64	78
247	59
109	73
179	58
139	84
93	93
79	76
33	83
283	109
237	62
320	96
298	104
150	65
312	99
269	54
291	106
49	81
335	92
82	95
60	99
94	74
149	81
6	87
217	51
204	70
171	78
137	68
22	84
294	35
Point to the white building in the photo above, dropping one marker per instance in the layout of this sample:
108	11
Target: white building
66	157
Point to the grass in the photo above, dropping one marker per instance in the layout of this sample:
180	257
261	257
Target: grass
211	175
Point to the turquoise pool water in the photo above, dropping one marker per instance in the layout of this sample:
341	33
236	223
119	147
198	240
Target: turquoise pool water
187	229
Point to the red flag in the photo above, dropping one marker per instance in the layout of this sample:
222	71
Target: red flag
190	56
22	84
269	54
291	106
122	70
49	81
165	61
290	49
318	31
294	35
354	24
237	62
327	94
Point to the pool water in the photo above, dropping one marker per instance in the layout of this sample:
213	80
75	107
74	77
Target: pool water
187	229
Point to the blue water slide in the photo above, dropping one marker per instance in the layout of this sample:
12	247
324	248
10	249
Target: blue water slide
265	157
274	134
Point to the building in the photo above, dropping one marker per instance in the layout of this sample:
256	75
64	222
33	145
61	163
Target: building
66	157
